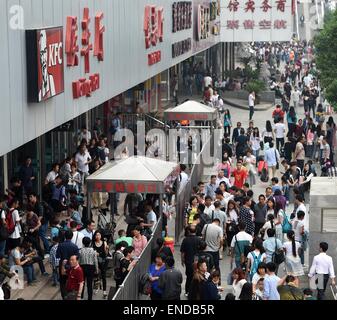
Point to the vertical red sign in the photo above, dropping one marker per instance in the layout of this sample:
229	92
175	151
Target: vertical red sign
99	31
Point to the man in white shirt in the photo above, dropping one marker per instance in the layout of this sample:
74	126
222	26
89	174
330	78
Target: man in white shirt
209	207
14	238
279	130
251	102
151	218
83	159
84	135
77	236
51	176
221	177
300	206
183	177
89	230
322	266
207	82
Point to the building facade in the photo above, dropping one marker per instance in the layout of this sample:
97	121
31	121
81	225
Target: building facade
64	63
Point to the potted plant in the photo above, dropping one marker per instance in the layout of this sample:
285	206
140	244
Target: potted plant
257	86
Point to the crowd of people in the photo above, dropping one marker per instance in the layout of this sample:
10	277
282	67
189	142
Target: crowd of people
56	228
263	232
259	232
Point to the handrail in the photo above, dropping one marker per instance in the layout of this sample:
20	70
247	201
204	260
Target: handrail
155	119
129	289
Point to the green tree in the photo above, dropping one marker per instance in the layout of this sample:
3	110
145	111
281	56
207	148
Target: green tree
326	57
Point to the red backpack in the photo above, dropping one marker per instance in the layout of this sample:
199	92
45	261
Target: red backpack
10	221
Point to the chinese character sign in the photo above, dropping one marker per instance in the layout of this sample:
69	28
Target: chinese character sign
153	31
256	20
153	25
75	48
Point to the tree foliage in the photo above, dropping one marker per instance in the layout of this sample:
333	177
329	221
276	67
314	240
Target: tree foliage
326	57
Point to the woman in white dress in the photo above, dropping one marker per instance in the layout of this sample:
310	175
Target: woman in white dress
293	261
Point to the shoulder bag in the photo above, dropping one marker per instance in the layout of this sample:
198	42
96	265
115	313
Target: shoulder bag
278	256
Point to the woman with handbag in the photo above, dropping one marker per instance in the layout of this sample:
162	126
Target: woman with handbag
293	261
100	246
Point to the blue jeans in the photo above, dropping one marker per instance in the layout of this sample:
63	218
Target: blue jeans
2	247
256	154
43	235
29	272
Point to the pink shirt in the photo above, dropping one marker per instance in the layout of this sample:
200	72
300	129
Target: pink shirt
139	245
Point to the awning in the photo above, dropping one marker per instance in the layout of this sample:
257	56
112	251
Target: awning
191	110
137	174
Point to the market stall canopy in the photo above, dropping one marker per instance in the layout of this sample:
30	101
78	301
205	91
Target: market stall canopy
132	175
191	110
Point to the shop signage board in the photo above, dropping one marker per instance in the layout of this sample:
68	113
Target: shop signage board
256	20
76	48
45	71
207	24
153	31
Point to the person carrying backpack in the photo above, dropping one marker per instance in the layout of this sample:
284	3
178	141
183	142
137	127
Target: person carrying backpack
13	225
117	256
255	257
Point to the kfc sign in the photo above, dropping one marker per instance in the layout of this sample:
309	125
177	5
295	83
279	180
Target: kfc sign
84	87
153	30
44	50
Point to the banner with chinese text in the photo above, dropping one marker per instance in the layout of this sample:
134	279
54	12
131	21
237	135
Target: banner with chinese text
256	20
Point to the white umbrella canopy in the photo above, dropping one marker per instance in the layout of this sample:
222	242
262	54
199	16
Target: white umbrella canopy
134	174
191	110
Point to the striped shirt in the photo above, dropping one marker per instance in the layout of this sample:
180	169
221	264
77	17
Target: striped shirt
88	256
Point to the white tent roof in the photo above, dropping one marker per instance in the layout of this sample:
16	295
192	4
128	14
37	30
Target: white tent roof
134	170
192	110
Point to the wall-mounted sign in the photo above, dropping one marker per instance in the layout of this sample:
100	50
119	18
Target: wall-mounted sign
84	87
213	10
181	47
181	16
203	22
45	74
251	20
153	30
154	57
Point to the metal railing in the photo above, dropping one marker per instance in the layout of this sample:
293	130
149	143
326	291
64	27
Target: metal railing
129	290
129	121
184	194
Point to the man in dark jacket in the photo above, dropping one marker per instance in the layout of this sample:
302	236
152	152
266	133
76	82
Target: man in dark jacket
236	133
170	281
189	249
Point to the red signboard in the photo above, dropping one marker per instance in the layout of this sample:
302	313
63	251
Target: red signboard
122	187
44	49
187	116
84	87
153	30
